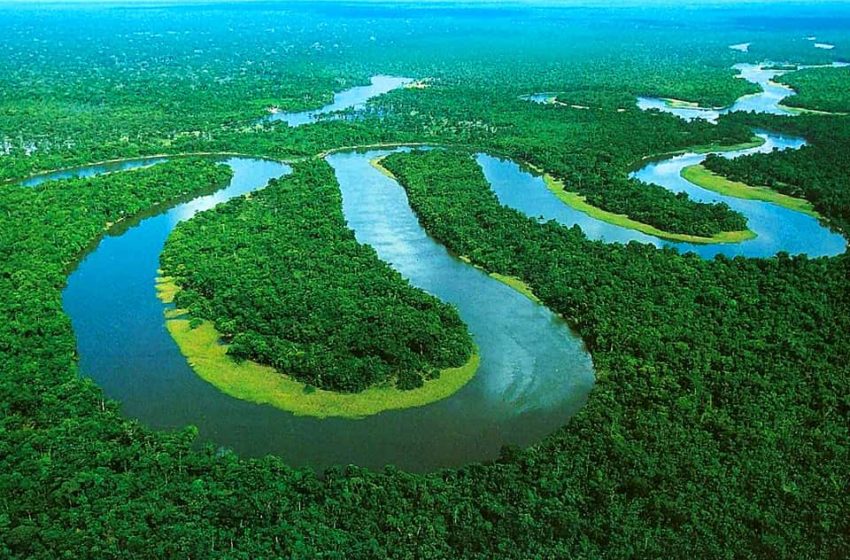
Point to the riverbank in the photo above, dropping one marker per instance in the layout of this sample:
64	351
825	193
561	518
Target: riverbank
682	104
161	157
510	281
702	177
578	202
804	111
755	142
260	384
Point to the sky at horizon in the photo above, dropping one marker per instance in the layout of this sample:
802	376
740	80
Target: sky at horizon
548	3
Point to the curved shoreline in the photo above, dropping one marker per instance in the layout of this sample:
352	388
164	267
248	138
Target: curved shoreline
573	200
261	384
535	373
704	178
116	161
578	202
805	111
277	441
510	281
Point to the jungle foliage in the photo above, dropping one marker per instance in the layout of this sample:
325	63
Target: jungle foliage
820	172
819	89
719	423
129	111
681	403
287	285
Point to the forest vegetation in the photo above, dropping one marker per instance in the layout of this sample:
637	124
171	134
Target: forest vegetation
718	425
819	89
287	285
818	172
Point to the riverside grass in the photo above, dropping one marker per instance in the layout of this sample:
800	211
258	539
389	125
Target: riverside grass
578	202
702	177
253	382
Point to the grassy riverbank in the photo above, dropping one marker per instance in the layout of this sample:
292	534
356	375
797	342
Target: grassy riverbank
804	111
578	202
253	382
681	104
510	281
702	177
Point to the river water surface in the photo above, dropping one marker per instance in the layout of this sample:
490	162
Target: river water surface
768	100
534	374
777	228
353	98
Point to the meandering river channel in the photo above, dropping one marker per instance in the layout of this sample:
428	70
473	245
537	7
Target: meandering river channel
534	374
777	228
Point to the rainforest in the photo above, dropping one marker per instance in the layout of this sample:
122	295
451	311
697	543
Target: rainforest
424	279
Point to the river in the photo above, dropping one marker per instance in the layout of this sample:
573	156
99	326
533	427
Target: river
777	228
535	373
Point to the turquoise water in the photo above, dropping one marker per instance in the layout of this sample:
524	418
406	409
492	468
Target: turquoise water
768	100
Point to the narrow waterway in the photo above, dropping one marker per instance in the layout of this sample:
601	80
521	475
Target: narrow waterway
352	98
777	228
768	100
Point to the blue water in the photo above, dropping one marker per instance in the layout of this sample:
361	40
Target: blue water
535	373
777	228
353	98
91	170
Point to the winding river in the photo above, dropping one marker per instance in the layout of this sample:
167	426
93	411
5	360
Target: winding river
534	374
777	228
353	98
769	100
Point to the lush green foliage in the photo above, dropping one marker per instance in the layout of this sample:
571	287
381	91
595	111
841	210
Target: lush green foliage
250	65
819	89
819	173
657	206
679	414
590	149
287	285
718	427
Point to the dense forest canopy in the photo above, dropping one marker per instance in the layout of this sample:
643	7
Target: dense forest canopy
818	173
329	313
719	423
820	89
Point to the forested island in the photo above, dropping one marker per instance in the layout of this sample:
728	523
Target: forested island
640	396
330	314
